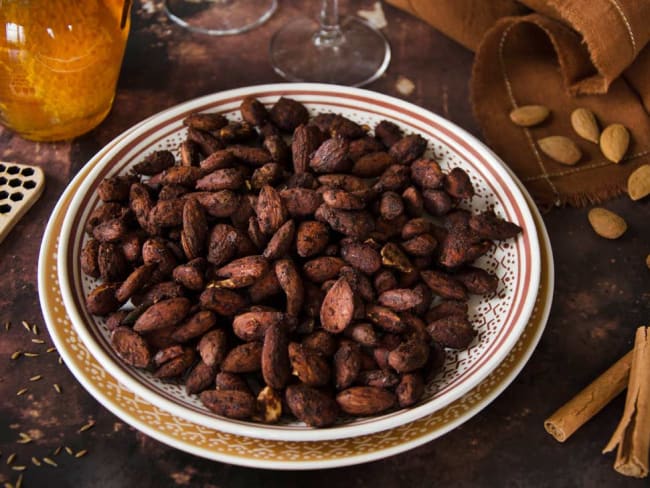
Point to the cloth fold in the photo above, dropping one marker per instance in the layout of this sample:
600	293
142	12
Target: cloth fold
563	54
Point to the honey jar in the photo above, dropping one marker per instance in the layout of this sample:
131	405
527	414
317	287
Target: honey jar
59	64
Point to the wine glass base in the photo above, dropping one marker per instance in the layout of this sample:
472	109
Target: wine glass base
220	17
361	57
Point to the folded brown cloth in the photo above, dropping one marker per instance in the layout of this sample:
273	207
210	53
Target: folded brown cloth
563	54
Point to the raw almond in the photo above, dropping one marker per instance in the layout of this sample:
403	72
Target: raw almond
638	184
585	125
561	149
606	223
529	115
614	142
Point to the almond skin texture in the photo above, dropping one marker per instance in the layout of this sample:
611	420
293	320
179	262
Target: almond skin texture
529	115
252	326
585	124
311	406
131	347
560	149
453	331
347	364
165	313
338	307
233	404
308	366
638	184
606	223
271	213
291	283
365	400
246	358
409	390
275	358
311	238
614	142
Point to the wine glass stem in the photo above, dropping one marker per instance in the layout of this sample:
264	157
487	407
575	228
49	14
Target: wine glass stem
329	33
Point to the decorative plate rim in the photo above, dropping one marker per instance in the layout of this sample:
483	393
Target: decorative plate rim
462	142
47	257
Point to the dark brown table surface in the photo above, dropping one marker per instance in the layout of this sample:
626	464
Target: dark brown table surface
602	293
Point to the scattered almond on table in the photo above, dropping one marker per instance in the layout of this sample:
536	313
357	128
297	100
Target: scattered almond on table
529	115
561	149
585	125
606	223
614	142
638	184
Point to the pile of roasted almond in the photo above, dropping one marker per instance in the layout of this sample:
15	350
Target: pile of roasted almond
286	265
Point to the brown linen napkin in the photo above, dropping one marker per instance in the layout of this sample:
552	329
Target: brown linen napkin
568	54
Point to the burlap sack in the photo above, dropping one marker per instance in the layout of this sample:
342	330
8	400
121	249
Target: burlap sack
563	54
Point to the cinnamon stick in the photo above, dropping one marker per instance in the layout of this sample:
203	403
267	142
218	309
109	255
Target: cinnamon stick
632	436
582	407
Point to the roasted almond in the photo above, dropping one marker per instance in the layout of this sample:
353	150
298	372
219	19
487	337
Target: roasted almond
338	307
365	400
529	115
561	149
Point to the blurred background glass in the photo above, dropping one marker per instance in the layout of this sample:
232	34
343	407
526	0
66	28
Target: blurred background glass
330	50
220	17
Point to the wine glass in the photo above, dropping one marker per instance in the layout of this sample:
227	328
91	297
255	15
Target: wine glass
349	52
220	17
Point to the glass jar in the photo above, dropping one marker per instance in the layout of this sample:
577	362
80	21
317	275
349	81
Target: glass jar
59	64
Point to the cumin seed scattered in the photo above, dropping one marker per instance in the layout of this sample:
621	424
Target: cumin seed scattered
36	378
89	425
26	325
60	361
57	451
22	391
69	451
51	462
36	461
57	388
11	458
16	355
31	354
50	349
19	468
24	438
7	325
38	341
81	453
19	481
35	329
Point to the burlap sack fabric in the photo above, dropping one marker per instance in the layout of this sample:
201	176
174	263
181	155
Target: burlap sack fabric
563	54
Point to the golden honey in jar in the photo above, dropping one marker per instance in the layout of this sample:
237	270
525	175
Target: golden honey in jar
59	64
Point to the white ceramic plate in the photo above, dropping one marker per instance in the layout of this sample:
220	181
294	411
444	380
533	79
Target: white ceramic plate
244	451
499	320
